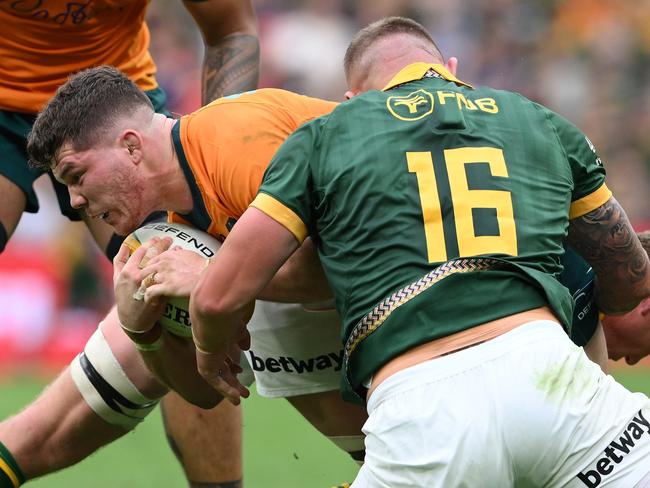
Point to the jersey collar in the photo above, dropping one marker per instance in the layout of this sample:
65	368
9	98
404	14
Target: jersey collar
417	71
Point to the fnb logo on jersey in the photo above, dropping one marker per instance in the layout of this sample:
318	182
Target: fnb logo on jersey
413	106
616	451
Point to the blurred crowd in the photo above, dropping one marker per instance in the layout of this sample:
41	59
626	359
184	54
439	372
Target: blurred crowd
586	59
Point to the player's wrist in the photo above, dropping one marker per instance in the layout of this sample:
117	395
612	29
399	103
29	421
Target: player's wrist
144	337
151	346
202	348
137	331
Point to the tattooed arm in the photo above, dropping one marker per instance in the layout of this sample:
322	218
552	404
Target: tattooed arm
605	238
232	53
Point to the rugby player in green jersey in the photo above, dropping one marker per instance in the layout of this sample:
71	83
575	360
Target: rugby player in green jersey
439	211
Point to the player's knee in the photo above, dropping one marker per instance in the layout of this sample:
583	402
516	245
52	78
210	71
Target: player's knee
105	386
352	444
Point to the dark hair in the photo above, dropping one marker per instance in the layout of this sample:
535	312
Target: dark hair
81	110
382	28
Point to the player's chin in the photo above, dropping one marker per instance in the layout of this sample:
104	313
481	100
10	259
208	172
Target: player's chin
121	224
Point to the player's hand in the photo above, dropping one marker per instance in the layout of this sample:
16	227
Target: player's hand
136	314
220	369
628	335
176	270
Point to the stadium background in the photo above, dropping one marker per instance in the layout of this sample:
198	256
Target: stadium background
586	59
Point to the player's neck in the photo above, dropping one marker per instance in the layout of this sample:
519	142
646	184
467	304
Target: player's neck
169	180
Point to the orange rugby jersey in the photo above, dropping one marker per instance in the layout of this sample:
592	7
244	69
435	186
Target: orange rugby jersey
43	41
225	147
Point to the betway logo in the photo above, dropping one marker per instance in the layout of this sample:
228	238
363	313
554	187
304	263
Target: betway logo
299	366
616	451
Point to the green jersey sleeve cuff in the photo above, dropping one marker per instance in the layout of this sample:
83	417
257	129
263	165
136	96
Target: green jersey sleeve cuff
282	214
589	202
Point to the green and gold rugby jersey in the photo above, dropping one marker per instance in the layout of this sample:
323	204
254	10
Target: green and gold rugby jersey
396	185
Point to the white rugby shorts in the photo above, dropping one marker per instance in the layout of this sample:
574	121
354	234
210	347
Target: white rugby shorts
295	349
524	409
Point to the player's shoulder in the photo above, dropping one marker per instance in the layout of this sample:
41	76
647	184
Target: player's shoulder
276	97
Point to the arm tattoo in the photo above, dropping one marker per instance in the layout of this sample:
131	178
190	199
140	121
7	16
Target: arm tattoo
644	237
605	238
230	66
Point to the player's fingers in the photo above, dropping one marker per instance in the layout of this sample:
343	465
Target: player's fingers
214	369
153	293
120	260
230	392
236	389
155	246
131	264
244	342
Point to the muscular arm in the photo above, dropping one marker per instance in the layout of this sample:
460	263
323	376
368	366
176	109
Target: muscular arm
605	238
174	365
253	252
231	62
301	279
248	259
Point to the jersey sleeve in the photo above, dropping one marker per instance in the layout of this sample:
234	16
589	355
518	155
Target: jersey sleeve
589	188
285	194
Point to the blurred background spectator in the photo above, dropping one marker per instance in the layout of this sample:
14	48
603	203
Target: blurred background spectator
589	60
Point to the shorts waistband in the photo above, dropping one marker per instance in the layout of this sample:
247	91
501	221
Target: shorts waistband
468	358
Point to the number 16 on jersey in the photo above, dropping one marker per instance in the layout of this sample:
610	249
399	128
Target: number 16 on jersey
464	201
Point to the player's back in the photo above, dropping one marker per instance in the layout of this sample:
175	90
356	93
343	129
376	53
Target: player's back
44	42
431	171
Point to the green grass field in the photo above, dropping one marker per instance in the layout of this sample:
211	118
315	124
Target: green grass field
280	448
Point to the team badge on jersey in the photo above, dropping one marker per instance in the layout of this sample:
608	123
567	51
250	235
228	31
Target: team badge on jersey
413	106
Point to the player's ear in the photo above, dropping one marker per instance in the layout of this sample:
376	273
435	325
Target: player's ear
452	65
644	307
132	142
351	93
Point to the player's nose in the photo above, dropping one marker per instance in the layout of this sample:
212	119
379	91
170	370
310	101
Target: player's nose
77	200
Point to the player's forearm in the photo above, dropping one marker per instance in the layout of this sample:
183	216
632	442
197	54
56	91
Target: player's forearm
174	365
605	238
300	279
214	326
230	66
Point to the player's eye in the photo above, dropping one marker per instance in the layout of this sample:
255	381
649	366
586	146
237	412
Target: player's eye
75	178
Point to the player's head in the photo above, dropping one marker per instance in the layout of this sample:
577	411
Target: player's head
380	50
91	136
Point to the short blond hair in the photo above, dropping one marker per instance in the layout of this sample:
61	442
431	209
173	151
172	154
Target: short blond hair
380	29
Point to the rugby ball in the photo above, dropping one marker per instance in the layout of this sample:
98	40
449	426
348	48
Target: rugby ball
176	318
